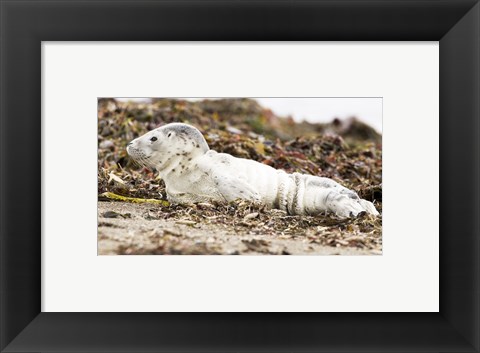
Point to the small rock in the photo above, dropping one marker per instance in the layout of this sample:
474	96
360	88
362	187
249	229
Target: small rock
107	144
111	214
251	216
234	130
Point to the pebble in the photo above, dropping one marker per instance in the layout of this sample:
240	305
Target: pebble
107	144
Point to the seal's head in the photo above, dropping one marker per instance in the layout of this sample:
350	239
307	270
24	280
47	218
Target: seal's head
163	146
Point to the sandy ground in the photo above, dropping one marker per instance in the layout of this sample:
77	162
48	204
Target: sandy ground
140	229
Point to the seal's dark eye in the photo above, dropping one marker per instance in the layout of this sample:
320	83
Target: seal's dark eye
153	139
169	134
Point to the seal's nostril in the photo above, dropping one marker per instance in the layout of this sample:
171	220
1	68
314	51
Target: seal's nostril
129	143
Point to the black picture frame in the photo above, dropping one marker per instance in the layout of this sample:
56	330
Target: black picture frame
25	24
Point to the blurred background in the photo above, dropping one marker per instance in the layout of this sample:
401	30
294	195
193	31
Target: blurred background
315	110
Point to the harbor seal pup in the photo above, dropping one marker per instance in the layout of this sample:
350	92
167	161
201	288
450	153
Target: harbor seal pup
194	173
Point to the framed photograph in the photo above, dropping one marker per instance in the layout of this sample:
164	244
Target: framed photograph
139	128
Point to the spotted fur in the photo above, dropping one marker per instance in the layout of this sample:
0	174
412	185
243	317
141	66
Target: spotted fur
194	173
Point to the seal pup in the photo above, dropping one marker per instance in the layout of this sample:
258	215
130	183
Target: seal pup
194	173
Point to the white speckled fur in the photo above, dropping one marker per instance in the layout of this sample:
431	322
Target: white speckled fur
194	173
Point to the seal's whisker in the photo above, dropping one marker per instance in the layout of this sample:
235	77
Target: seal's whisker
144	162
136	162
140	162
